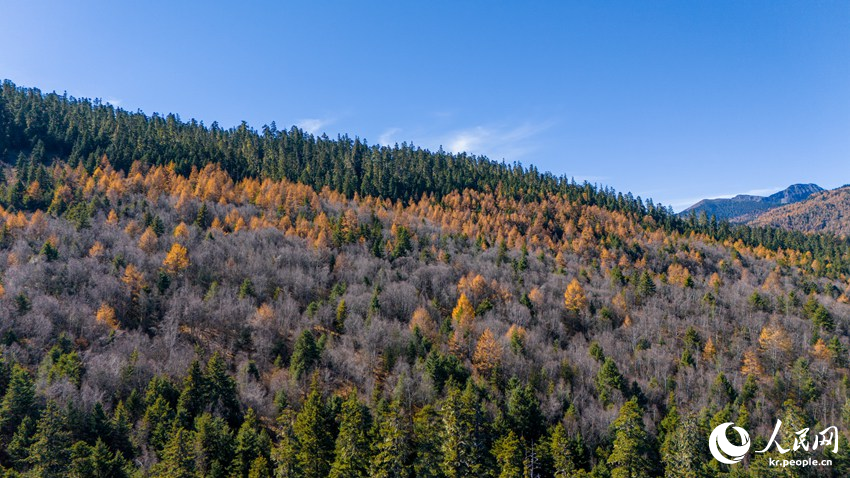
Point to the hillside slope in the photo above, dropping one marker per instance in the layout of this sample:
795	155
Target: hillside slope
186	318
828	211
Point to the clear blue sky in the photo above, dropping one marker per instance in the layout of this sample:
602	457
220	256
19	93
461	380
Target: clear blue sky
674	100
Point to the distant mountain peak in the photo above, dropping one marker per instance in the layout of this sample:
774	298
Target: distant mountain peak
744	207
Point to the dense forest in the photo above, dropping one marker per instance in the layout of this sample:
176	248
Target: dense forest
180	300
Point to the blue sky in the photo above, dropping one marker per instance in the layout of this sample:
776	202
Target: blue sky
674	100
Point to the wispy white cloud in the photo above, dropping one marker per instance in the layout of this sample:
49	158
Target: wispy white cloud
496	141
388	137
313	125
113	101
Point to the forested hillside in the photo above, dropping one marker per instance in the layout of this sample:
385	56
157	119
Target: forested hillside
828	211
180	300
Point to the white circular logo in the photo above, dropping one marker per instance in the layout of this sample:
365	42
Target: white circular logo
735	452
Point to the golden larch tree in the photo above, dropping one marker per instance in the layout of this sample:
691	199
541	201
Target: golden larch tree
149	241
574	297
463	313
488	354
177	259
181	231
106	315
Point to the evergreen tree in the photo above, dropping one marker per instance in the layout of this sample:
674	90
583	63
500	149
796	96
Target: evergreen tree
629	458
509	455
97	461
463	447
221	390
202	219
284	453
49	251
192	399
50	451
426	432
392	445
524	415
213	446
158	422
608	379
352	444
178	460
305	355
18	448
249	446
565	453
313	432
17	402
684	451
645	285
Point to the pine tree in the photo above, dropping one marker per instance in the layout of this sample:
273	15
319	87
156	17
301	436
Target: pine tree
463	454
18	448
178	460
509	456
202	219
352	444
684	451
305	355
158	421
193	398
645	285
97	461
523	414
50	451
313	432
284	453
608	380
565	459
17	402
213	446
629	458
392	445
426	436
49	251
221	390
249	446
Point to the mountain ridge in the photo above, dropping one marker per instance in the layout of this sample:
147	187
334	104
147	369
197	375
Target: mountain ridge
745	207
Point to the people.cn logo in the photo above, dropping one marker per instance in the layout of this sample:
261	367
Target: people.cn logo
721	447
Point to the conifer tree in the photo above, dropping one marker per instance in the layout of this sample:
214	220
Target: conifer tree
392	444
305	355
249	446
684	451
563	451
178	460
426	433
213	446
509	456
221	390
17	402
313	432
193	397
50	451
352	444
284	454
629	458
462	448
97	461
